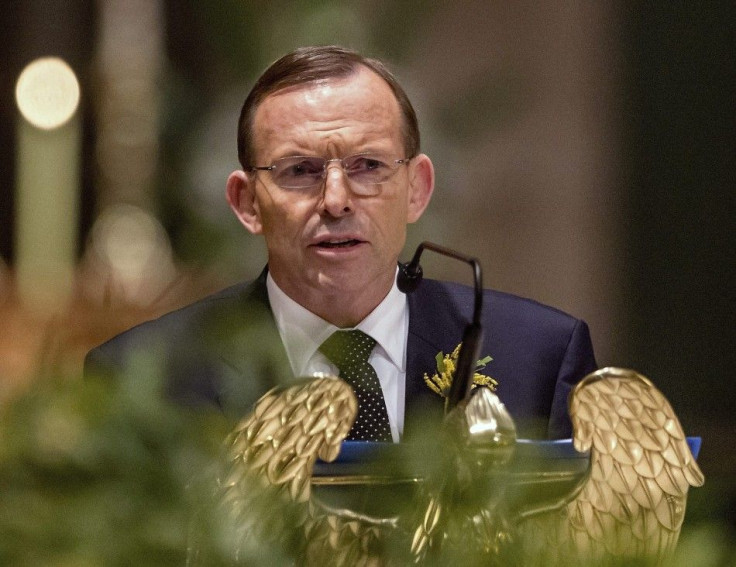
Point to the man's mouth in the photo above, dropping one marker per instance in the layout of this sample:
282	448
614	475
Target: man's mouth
338	243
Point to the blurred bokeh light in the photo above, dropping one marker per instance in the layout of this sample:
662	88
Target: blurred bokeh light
47	93
129	257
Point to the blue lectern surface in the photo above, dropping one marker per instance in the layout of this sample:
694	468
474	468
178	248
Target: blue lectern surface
556	454
380	478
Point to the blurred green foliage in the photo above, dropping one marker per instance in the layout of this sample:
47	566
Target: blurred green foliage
100	473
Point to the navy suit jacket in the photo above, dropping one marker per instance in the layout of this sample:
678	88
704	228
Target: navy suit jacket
225	349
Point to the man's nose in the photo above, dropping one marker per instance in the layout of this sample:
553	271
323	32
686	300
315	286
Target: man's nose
337	199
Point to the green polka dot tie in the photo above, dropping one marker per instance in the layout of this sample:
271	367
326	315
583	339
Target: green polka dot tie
349	351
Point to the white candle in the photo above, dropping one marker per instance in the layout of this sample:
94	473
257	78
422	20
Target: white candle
48	181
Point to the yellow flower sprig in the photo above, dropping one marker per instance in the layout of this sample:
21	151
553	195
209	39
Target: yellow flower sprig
441	382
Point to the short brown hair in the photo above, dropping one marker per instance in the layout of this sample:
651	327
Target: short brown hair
308	64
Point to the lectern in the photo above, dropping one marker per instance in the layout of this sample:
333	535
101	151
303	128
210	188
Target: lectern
472	493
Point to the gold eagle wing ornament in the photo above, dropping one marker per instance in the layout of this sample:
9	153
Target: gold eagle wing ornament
265	489
632	503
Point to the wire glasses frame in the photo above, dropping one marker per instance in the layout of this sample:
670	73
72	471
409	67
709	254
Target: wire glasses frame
365	171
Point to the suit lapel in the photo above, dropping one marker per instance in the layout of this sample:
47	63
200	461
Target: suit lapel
436	325
250	345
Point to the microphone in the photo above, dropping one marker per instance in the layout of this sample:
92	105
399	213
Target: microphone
410	274
408	279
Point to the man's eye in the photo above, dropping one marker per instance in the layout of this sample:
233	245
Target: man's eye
303	168
366	163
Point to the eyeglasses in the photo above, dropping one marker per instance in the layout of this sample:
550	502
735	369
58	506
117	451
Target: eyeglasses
365	171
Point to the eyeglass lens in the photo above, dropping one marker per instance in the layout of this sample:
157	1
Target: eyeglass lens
362	169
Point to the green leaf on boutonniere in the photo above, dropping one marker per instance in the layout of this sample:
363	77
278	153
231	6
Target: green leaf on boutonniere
482	362
440	360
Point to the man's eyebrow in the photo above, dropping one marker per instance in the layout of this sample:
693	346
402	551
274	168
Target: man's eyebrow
357	150
293	151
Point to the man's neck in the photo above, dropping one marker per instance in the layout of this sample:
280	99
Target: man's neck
346	312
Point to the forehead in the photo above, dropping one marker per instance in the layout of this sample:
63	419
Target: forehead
358	108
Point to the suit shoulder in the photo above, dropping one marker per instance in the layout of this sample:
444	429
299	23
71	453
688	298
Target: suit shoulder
495	303
186	320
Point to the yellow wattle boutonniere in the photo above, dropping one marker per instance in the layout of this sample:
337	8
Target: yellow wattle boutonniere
441	382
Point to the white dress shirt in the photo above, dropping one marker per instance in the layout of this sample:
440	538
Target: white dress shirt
302	333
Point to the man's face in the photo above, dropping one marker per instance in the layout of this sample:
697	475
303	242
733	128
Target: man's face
328	241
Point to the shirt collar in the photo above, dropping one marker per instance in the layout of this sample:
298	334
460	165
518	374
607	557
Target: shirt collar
302	332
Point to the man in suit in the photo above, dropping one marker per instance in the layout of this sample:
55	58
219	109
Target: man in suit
332	175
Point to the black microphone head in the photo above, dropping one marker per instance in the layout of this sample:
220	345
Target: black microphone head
408	278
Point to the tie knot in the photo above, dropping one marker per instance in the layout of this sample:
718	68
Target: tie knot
348	348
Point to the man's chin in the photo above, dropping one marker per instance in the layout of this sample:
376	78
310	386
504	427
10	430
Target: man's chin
354	281
337	282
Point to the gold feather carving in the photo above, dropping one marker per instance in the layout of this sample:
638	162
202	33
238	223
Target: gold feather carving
265	488
632	503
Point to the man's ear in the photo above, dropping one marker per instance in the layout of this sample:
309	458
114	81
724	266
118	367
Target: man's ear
421	186
240	192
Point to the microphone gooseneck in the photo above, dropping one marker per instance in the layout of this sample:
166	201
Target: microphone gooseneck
408	279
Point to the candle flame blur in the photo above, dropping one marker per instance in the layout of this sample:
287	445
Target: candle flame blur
47	93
